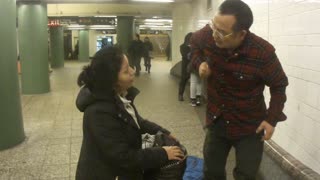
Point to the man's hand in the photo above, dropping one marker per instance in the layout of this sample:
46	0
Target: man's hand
268	129
204	70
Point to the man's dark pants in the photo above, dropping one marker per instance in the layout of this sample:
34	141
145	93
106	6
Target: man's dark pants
137	64
248	150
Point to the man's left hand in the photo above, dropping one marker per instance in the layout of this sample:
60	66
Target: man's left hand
268	130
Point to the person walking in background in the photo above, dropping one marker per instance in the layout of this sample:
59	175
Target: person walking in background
185	52
112	127
195	86
237	65
147	53
76	50
135	52
168	50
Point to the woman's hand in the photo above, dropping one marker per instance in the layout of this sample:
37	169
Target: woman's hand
174	153
173	137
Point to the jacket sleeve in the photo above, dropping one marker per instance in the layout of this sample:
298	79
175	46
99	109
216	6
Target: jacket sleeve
196	43
184	50
150	127
274	77
111	139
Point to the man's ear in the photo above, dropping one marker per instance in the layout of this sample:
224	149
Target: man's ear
243	34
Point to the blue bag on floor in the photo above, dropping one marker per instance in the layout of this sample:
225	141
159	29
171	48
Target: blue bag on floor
194	169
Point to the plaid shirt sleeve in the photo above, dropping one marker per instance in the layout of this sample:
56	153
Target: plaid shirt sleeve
274	77
196	50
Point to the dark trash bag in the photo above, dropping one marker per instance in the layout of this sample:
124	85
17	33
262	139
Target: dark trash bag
174	169
194	169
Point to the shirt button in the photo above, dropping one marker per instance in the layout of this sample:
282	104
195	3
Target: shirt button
236	54
119	115
228	122
241	77
214	117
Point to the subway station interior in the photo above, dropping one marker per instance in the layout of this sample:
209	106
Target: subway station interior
46	43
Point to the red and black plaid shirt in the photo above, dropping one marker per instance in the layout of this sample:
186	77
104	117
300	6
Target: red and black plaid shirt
237	81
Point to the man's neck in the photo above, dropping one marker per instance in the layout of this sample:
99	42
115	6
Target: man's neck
231	50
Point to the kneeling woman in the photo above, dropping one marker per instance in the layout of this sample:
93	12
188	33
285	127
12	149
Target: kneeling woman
112	127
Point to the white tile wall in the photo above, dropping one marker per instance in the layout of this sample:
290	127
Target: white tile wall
181	25
293	30
293	27
187	18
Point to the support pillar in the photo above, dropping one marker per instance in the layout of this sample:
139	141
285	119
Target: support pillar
56	47
11	124
33	47
84	45
125	30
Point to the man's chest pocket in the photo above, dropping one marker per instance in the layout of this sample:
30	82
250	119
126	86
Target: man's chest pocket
244	80
243	76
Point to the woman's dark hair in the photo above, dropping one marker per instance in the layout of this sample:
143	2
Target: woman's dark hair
101	74
240	10
187	38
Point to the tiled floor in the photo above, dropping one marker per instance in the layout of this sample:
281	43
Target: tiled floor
53	124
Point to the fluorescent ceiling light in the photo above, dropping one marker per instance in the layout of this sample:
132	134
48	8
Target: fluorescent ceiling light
101	26
152	26
155	1
106	16
76	26
79	27
155	23
163	29
158	20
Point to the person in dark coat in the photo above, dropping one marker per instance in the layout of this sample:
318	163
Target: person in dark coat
148	48
185	51
112	127
135	52
76	51
168	50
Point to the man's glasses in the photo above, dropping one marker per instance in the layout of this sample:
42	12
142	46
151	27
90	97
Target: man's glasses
216	32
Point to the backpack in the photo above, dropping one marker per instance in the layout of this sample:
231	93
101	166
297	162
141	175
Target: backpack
194	169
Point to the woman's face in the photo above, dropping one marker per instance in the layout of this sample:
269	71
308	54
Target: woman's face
125	75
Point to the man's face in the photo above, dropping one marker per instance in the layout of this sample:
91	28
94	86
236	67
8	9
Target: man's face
223	33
